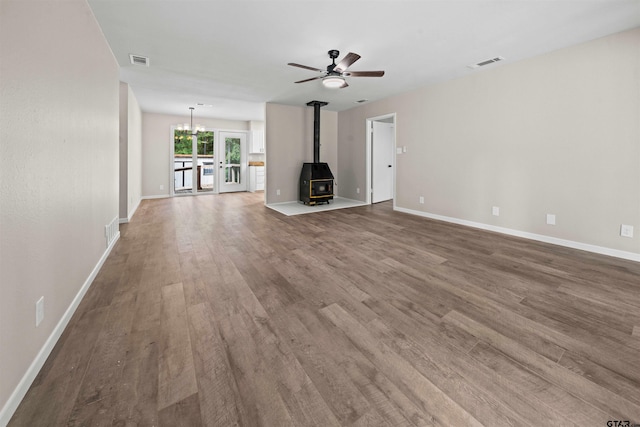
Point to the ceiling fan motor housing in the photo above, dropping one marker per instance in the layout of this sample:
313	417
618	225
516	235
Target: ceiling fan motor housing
333	54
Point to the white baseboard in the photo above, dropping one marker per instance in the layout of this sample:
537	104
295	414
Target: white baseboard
532	236
157	196
23	386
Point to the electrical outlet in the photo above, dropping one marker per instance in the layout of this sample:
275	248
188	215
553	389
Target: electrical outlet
399	150
495	211
161	187
421	199
39	311
626	230
278	192
404	149
551	219
358	190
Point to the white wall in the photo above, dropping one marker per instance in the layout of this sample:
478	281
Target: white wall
559	133
289	144
58	174
328	144
134	148
156	147
130	153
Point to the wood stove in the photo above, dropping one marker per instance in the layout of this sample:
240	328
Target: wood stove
316	179
316	183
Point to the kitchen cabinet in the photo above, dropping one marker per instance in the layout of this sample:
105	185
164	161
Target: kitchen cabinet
256	178
257	142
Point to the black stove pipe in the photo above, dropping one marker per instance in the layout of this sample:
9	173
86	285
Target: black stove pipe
316	128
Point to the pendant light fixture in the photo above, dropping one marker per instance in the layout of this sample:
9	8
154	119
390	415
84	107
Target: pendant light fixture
187	126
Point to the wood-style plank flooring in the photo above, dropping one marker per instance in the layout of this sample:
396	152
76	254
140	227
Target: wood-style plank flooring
218	311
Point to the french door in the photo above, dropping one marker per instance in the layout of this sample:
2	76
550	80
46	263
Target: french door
209	161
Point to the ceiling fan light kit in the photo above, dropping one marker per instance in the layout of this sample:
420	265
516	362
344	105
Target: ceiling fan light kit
334	82
334	76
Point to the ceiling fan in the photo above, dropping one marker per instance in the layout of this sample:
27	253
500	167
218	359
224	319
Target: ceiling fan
333	76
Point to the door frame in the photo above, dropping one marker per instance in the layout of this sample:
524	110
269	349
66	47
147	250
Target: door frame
369	154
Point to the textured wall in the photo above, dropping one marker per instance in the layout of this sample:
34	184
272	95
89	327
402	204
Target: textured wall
130	152
58	168
134	132
124	151
558	133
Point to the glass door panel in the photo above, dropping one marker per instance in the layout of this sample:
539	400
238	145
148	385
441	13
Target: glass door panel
233	162
182	162
205	161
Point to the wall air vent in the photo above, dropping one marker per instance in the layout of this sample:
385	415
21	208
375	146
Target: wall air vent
486	62
138	60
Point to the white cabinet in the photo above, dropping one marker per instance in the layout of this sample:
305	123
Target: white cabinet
257	142
256	178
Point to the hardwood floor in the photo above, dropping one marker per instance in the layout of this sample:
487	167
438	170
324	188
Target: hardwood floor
217	311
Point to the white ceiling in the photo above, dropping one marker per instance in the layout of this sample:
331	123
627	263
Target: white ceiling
233	54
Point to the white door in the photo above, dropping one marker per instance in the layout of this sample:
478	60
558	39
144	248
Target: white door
232	162
382	161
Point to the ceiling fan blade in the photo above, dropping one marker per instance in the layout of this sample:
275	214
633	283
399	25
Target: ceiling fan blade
306	67
346	62
365	74
308	80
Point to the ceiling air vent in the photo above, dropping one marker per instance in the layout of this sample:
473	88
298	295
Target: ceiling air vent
486	62
139	60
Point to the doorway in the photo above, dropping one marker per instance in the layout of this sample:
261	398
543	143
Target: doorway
210	161
381	154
